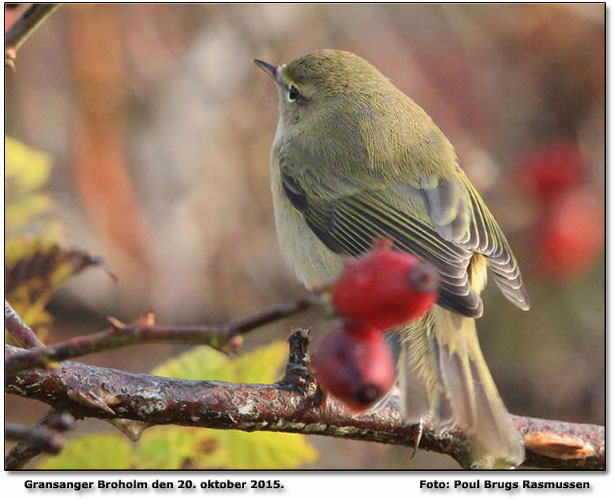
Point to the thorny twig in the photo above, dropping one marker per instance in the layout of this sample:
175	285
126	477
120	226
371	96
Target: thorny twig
46	435
287	406
224	337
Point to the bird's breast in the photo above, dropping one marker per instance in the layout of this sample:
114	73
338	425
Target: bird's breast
314	264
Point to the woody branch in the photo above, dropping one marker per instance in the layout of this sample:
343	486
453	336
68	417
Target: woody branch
223	337
289	405
286	406
19	32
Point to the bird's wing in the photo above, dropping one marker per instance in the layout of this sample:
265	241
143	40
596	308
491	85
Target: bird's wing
459	215
349	223
488	239
441	221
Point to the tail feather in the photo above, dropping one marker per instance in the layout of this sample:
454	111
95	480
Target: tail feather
443	374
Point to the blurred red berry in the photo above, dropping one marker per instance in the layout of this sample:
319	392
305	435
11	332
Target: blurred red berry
354	365
552	169
386	288
571	236
11	13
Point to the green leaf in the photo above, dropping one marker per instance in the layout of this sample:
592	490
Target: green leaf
174	447
170	448
261	365
201	448
101	451
264	450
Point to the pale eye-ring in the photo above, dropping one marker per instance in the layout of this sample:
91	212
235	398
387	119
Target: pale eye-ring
293	93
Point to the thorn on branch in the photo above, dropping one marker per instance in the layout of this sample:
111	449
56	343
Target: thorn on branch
132	429
147	320
10	55
277	407
117	325
90	399
226	338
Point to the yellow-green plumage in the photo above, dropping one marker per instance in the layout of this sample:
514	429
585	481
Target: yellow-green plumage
355	159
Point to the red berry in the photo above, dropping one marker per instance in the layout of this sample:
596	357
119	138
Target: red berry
354	365
11	13
572	235
552	169
386	288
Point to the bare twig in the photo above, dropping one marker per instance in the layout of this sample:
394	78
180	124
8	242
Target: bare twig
45	437
19	32
287	406
41	438
223	337
19	330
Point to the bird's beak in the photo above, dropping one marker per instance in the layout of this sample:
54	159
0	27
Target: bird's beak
265	66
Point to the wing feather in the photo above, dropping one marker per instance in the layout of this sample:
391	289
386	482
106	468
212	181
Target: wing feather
443	222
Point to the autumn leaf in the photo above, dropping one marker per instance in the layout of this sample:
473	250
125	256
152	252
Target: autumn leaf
35	263
201	448
261	365
100	451
174	447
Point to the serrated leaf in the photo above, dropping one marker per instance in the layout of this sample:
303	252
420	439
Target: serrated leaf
100	451
261	365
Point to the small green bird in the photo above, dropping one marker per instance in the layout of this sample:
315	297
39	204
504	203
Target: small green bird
354	160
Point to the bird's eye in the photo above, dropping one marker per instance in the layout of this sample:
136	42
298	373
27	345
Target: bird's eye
293	93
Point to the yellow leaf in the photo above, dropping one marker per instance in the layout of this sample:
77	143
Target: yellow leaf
261	365
33	271
202	448
173	448
26	175
264	450
99	451
26	169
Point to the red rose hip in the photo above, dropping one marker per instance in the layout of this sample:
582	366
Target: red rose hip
354	365
386	288
571	237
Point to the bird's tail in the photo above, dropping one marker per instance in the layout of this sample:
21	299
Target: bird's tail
444	375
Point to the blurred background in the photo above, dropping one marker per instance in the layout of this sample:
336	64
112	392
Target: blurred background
158	126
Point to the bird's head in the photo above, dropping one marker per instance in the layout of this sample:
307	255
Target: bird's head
322	80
